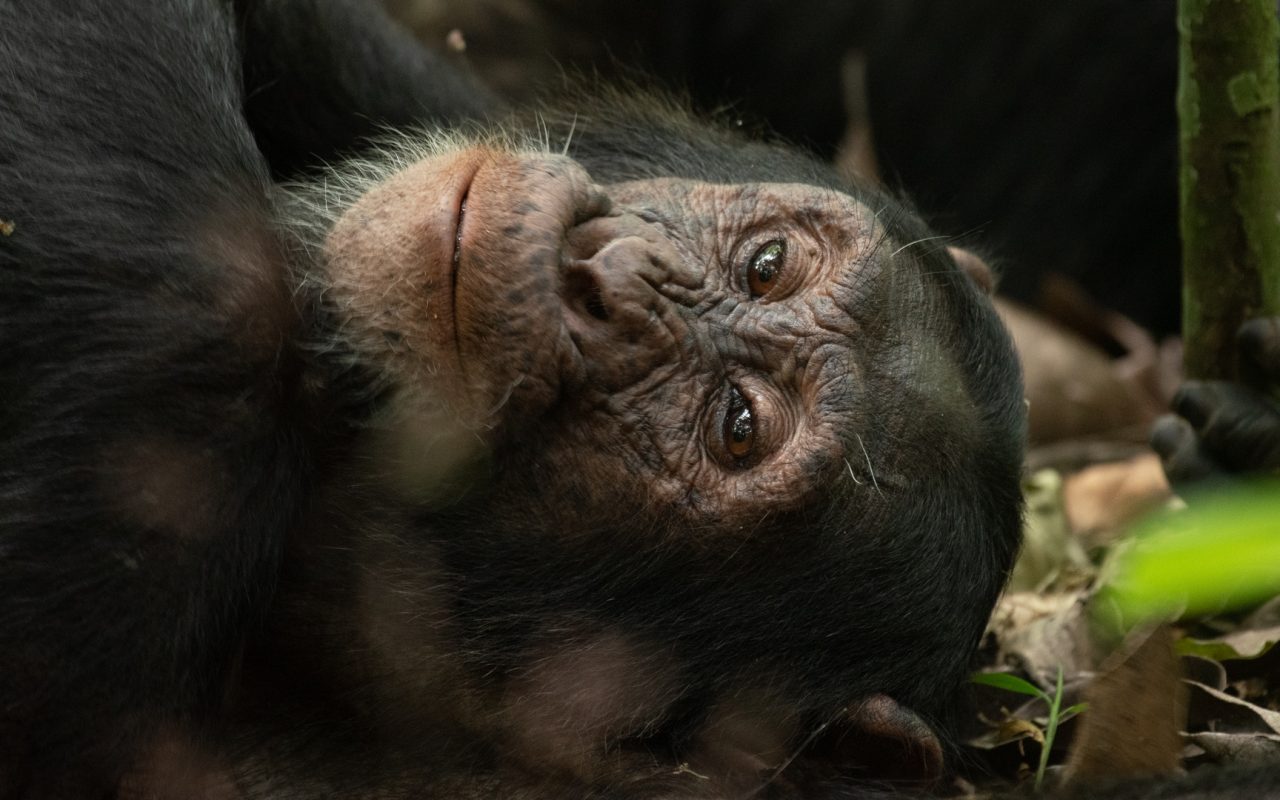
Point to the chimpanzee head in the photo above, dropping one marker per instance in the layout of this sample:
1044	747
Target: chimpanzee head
751	437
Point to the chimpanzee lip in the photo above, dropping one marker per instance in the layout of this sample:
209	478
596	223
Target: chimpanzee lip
462	195
457	230
457	245
457	254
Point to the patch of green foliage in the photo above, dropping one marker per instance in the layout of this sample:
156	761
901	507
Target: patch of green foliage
1012	683
1221	554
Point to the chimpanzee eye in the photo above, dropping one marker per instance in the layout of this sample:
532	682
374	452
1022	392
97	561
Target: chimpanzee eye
739	426
765	266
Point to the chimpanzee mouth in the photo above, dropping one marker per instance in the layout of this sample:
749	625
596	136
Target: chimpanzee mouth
457	250
457	231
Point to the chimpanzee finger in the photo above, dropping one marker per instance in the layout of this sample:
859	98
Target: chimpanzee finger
1236	426
1259	341
1184	461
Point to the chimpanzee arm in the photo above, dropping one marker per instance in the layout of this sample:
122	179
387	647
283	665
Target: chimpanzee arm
1221	428
322	75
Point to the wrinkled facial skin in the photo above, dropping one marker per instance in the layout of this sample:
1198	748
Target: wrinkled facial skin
753	455
628	313
680	341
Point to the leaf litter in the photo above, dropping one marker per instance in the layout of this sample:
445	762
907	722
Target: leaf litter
1200	691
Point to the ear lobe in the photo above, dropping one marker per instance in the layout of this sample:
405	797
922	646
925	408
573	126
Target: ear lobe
975	268
881	740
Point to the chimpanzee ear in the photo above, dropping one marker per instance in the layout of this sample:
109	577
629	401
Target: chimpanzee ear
975	268
880	740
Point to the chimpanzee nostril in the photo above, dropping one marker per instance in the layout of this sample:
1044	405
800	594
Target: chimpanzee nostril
584	291
614	317
595	305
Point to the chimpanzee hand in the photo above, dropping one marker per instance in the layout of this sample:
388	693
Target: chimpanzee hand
1221	427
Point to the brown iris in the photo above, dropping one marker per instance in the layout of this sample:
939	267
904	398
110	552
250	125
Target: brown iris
765	266
739	426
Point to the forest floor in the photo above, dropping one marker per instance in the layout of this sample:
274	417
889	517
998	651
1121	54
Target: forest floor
1194	690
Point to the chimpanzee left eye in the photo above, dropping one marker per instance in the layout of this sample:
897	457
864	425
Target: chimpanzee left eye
739	426
765	266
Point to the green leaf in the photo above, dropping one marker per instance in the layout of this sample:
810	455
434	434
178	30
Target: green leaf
1071	711
1050	730
1221	553
1010	683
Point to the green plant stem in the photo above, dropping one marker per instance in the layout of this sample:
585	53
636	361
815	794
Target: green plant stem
1050	730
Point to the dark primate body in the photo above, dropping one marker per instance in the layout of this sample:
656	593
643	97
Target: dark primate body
667	466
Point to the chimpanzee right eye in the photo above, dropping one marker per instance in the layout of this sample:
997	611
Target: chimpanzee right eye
765	266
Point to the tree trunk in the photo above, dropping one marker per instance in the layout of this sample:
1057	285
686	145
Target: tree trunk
1229	111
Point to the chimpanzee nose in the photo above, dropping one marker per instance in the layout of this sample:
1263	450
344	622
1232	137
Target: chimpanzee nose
610	300
615	311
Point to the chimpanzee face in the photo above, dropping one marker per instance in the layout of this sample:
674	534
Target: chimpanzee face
727	347
744	440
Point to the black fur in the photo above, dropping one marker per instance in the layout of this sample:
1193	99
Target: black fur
1049	131
322	75
141	215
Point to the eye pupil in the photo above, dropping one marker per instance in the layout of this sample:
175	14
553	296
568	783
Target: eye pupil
739	426
763	269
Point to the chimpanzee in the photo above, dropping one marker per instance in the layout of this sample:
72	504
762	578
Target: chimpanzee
1221	429
606	454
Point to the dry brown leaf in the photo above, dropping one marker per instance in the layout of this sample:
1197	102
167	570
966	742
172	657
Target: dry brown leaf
1103	499
1137	707
1050	554
1252	642
1007	731
1074	388
1017	610
1266	615
1240	644
1237	748
1225	713
1041	633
